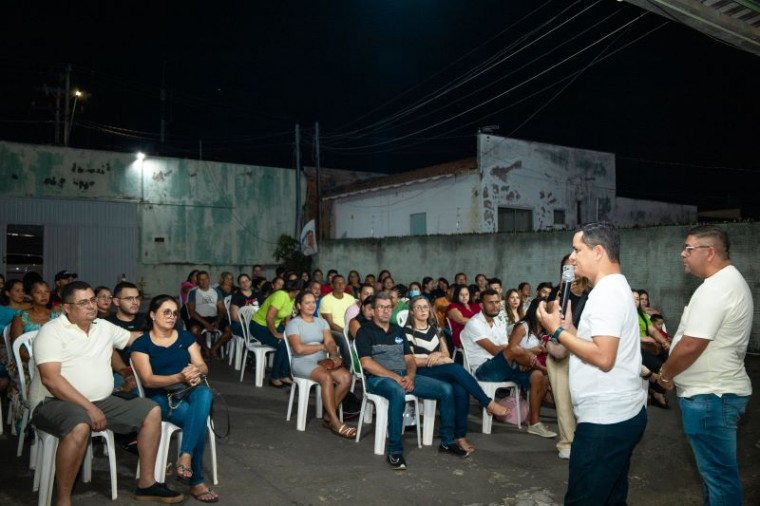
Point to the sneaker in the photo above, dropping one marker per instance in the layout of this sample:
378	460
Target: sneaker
540	429
158	492
397	462
453	449
564	454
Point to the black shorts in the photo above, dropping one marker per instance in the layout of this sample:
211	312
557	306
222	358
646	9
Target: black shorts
195	323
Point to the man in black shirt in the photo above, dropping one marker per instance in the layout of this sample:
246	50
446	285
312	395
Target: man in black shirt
126	298
390	372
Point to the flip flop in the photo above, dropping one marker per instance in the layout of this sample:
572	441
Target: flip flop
208	496
183	472
345	431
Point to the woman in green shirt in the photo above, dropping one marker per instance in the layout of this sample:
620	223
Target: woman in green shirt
268	324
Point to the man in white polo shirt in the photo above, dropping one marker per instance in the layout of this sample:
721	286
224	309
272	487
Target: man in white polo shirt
71	395
706	361
609	398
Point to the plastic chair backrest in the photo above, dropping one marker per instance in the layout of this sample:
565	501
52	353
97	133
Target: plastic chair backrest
246	314
24	340
401	317
7	339
353	352
465	362
227	302
140	389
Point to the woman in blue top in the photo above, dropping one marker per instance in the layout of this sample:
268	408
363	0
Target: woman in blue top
167	359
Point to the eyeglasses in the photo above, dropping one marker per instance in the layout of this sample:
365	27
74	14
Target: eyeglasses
134	298
421	308
168	313
84	302
688	249
383	308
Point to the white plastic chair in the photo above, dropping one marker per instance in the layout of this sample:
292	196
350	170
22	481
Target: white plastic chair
456	350
490	387
167	429
232	344
251	344
303	385
42	453
7	342
381	412
354	373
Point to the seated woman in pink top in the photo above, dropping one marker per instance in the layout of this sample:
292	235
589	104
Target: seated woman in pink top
460	311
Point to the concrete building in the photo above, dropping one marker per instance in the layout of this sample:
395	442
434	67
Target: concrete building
104	214
512	186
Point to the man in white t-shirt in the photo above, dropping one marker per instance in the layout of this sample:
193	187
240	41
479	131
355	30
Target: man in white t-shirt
71	395
706	361
608	395
203	308
492	356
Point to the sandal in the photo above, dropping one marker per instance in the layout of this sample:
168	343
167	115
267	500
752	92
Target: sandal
345	431
207	495
183	472
496	409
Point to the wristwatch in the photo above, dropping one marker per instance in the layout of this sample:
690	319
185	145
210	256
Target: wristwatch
555	335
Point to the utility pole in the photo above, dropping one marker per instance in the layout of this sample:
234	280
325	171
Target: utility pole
163	104
298	181
66	110
319	180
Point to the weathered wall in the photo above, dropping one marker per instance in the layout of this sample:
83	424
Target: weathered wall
449	203
189	212
544	177
650	260
633	212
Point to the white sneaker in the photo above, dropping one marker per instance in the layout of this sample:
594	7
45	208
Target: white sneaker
540	429
564	454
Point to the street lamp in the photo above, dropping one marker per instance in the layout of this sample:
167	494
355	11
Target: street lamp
77	95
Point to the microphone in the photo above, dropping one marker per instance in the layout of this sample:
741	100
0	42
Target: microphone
568	275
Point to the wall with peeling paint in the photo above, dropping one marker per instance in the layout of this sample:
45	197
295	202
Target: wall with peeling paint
449	204
634	212
190	213
544	178
649	258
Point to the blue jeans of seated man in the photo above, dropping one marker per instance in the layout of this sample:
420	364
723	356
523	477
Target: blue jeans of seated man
191	415
424	387
710	424
600	461
462	384
280	365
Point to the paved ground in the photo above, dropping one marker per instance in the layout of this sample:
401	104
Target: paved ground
266	461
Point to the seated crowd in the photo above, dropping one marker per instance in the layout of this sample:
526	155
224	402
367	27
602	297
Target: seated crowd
429	338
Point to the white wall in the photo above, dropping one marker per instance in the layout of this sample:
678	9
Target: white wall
544	177
448	202
636	212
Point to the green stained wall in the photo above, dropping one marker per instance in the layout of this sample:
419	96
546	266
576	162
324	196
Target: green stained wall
207	213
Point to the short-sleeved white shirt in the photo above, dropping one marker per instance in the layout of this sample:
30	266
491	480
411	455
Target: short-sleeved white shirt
477	328
85	358
205	302
618	395
721	311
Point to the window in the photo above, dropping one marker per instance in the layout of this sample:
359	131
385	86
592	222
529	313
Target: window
23	250
559	217
418	224
515	220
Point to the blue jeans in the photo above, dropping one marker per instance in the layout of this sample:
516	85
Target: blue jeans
191	415
710	424
498	369
463	384
599	462
280	364
426	388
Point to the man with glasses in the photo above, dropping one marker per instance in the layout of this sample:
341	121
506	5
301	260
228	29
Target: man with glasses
71	395
390	370
706	362
126	298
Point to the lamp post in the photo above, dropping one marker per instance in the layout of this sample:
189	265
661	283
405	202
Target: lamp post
67	133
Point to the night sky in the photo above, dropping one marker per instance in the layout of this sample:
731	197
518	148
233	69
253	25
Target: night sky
395	85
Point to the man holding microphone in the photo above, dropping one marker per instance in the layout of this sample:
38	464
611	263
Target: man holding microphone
608	394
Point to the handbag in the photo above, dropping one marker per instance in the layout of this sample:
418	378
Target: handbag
178	393
328	364
510	402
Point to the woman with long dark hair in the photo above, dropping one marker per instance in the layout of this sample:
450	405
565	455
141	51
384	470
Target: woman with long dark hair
167	360
432	358
459	312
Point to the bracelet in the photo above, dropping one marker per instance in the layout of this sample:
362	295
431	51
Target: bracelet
556	334
662	378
